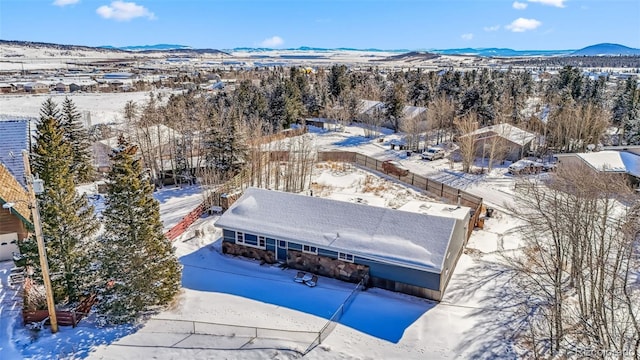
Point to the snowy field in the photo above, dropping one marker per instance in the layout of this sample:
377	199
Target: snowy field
101	107
473	320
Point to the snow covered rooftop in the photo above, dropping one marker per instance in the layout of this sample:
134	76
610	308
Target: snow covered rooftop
507	131
14	137
613	161
370	106
392	236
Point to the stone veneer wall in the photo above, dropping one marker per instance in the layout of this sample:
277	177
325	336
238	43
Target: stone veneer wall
320	265
325	266
249	252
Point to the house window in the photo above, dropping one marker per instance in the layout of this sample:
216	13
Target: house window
310	249
251	240
345	257
282	244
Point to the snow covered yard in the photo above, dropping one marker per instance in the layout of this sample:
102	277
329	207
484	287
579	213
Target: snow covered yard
471	322
378	324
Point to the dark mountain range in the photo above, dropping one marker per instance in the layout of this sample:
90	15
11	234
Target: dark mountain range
606	49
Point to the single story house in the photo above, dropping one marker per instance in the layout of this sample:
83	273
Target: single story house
37	88
397	250
375	108
508	142
606	161
324	123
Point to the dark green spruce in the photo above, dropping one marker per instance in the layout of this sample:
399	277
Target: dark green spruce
139	270
68	222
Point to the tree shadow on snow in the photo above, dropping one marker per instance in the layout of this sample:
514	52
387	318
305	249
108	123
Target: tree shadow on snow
382	314
498	313
68	342
169	192
457	179
353	141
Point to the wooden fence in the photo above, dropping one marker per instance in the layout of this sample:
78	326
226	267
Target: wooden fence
186	221
63	317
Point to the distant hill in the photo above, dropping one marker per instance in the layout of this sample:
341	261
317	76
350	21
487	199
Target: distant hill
606	49
411	56
501	52
35	44
157	47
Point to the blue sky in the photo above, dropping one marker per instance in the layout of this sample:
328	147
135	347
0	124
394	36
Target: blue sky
399	24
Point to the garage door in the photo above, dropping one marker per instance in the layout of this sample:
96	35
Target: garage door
8	245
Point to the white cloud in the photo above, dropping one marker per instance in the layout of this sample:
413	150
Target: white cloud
65	2
522	25
273	41
468	36
556	3
492	28
519	5
124	11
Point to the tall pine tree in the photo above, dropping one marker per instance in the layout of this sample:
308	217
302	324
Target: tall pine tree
138	266
68	222
78	136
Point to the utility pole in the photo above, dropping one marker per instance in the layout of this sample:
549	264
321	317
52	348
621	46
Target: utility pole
42	250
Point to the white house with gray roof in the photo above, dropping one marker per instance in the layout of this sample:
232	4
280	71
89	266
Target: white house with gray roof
409	252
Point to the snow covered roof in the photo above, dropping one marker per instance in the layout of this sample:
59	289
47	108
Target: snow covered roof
391	236
409	112
507	131
15	138
613	161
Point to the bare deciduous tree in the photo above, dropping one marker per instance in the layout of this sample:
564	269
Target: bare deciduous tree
465	126
581	239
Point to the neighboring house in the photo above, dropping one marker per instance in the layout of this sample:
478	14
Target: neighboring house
324	123
37	88
101	151
606	161
6	88
509	142
62	87
14	222
14	135
392	249
157	139
376	108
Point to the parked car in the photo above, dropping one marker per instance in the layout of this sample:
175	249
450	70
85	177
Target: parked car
395	168
523	167
433	153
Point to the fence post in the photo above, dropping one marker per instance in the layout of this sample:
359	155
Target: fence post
441	189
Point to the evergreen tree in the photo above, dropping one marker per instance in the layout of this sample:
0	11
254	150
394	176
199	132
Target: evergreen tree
338	80
78	136
227	148
68	222
49	109
138	265
394	101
